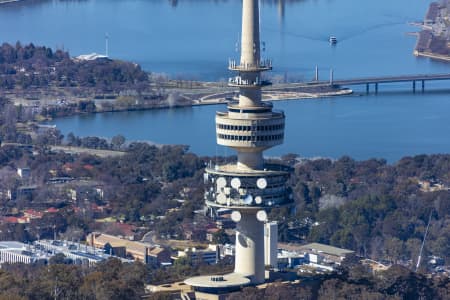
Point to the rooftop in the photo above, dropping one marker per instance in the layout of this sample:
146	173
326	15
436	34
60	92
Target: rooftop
326	249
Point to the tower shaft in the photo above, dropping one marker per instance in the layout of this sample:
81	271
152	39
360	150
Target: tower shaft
249	259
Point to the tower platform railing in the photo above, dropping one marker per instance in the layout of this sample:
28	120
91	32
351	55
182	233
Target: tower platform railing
263	65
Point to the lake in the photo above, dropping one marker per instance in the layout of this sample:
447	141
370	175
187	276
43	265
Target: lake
193	39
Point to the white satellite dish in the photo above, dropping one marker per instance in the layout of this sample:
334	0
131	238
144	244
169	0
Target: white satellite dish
242	192
227	190
221	198
235	183
236	216
248	199
270	203
258	200
221	182
261	216
261	183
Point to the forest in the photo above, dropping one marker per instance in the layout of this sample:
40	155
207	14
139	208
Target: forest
30	66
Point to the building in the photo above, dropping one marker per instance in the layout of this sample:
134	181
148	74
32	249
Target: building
43	250
78	253
91	56
250	187
24	173
16	252
320	253
290	259
209	255
144	252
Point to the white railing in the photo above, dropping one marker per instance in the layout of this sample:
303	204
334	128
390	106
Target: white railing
264	65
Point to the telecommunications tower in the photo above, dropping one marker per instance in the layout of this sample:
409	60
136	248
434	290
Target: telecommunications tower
249	187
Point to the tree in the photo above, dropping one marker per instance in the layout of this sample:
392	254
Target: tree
117	141
221	237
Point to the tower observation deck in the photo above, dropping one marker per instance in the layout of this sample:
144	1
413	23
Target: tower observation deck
249	187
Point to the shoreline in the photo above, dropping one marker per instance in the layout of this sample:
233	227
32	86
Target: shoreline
9	1
283	95
433	41
208	94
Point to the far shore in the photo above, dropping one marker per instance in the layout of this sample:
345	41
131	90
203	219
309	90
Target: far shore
8	1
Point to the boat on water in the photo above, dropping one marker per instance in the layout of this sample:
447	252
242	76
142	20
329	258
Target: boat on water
333	40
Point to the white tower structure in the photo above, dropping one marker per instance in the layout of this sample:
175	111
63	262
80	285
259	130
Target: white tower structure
271	244
249	187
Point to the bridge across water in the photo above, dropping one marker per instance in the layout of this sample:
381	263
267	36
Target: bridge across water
421	78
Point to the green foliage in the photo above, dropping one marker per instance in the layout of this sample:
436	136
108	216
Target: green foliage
31	66
381	211
220	237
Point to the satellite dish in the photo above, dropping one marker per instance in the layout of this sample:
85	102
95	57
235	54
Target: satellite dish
258	200
261	216
248	199
242	192
221	198
235	183
236	216
261	183
221	182
270	203
227	190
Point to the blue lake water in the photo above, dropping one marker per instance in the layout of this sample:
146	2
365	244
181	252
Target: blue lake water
194	39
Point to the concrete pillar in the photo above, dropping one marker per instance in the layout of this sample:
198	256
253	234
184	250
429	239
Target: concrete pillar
331	76
376	88
250	160
367	88
249	97
250	48
316	77
250	247
414	86
423	86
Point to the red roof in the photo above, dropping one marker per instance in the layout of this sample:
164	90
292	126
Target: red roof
11	220
52	210
34	214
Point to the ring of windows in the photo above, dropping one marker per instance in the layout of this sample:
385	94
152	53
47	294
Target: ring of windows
251	128
248	138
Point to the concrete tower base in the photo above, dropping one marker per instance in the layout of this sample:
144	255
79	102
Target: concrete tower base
250	247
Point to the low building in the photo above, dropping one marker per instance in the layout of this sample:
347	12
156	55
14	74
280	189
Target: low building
209	255
144	252
16	252
290	259
24	173
79	254
319	253
91	56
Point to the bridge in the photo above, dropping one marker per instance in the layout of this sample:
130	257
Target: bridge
421	78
